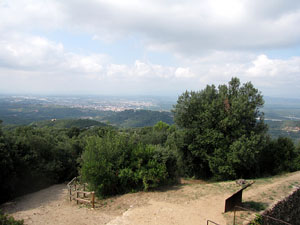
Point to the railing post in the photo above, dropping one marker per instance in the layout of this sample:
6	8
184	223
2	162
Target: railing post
77	196
93	199
70	192
84	190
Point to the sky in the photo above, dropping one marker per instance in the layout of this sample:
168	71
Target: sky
148	47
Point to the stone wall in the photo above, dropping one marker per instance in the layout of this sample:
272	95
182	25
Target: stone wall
287	210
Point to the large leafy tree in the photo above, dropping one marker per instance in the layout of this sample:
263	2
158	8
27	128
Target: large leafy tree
224	130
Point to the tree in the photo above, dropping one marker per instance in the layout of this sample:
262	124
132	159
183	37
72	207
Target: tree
224	130
280	156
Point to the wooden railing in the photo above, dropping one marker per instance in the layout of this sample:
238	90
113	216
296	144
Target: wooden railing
77	191
82	199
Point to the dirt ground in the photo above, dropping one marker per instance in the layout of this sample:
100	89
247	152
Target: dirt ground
192	202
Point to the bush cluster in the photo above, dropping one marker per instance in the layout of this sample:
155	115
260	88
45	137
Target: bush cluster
33	158
115	164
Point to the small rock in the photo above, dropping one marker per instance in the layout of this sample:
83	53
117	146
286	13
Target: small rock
241	182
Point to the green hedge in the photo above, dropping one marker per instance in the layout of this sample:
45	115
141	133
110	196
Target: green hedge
115	164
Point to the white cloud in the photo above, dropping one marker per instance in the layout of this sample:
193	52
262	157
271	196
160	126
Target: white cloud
42	65
280	74
183	27
29	52
34	53
266	67
271	76
30	14
212	40
192	27
184	73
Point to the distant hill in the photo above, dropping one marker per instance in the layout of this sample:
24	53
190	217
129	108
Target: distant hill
138	118
24	114
68	123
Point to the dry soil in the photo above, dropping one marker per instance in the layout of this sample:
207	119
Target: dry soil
192	202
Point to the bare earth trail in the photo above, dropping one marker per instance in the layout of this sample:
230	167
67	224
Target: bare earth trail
192	203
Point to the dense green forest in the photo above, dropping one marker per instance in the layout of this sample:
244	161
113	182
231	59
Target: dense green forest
138	118
68	123
219	133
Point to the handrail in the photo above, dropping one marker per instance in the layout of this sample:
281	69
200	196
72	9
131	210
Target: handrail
69	184
247	209
74	183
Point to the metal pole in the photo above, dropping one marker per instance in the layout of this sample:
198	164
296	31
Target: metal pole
234	216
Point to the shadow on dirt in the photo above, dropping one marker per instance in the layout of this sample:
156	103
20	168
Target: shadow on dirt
36	199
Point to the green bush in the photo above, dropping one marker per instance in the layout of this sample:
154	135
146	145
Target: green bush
33	158
280	155
9	220
257	221
115	164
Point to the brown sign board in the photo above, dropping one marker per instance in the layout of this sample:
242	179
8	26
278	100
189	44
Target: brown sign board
235	199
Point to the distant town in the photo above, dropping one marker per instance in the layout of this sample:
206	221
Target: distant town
116	104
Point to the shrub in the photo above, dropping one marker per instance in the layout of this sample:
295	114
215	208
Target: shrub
115	164
9	220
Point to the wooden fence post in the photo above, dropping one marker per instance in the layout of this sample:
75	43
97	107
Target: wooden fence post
77	196
93	199
70	192
84	190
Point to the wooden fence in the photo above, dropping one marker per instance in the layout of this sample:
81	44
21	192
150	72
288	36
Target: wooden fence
77	191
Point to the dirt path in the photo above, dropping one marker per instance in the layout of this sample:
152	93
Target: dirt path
50	206
192	203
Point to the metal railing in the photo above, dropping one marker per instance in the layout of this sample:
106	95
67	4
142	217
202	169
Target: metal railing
265	219
210	221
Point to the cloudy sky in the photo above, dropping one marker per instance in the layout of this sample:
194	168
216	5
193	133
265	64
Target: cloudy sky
148	47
